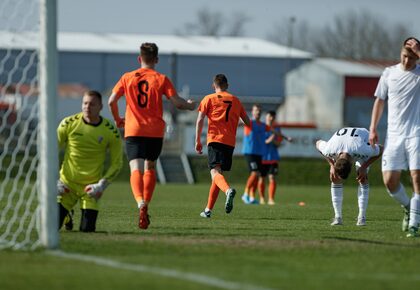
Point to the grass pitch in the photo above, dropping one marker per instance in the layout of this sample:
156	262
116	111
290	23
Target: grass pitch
285	246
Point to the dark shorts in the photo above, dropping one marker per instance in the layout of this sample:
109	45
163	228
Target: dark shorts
254	162
220	154
148	148
271	169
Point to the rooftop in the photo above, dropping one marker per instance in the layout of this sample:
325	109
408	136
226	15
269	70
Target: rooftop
168	44
350	68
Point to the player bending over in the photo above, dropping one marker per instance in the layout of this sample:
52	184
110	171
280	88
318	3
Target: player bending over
345	147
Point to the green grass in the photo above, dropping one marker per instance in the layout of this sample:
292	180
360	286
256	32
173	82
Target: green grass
285	246
303	171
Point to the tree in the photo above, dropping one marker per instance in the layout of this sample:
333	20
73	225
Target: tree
352	35
212	23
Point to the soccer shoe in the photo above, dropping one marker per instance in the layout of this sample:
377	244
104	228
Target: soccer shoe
361	221
271	202
406	220
254	201
68	221
230	194
245	198
144	219
413	232
337	221
205	214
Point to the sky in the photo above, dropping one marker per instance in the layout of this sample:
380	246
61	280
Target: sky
165	16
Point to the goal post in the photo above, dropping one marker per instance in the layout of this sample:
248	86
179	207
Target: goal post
28	142
48	152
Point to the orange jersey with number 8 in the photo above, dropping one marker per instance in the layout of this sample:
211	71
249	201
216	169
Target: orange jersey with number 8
143	90
223	111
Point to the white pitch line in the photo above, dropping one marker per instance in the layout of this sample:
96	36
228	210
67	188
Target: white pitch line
193	277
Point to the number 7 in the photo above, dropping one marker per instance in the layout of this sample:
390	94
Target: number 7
228	109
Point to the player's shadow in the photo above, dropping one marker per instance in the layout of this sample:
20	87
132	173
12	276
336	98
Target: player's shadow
363	241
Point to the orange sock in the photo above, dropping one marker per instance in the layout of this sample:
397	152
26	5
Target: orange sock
271	189
213	194
253	187
149	179
136	182
221	182
261	187
249	183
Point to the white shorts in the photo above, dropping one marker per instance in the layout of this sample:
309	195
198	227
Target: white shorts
401	154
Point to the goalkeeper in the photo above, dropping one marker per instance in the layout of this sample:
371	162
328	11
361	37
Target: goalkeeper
86	139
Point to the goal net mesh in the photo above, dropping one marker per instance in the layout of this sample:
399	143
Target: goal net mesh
19	54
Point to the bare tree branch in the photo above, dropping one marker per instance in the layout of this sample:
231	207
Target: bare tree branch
353	35
211	23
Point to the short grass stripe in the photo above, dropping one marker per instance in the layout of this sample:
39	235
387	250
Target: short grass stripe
192	277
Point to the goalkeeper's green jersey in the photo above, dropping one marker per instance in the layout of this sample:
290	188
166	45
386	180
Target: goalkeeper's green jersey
86	147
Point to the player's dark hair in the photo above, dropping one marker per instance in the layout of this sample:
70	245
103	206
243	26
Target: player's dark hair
221	81
342	167
409	38
272	113
94	94
149	52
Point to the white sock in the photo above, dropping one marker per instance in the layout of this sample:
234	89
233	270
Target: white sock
363	198
337	198
141	203
400	196
207	209
414	211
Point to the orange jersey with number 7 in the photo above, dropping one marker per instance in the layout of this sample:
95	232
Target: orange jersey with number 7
223	111
143	90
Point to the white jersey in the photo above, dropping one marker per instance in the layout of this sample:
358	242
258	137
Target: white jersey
353	141
402	89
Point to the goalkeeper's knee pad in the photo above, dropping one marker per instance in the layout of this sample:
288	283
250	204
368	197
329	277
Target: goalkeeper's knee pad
88	220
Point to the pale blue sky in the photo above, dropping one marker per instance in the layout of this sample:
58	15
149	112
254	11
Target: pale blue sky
164	16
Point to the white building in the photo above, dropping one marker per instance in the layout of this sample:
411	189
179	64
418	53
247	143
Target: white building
330	93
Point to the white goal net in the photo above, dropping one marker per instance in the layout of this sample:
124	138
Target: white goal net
20	143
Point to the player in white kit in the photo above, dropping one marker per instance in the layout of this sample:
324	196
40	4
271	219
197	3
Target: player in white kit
346	147
400	86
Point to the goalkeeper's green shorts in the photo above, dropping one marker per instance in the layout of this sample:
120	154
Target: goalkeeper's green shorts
77	193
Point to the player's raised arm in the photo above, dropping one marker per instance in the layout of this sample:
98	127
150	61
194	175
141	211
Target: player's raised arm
414	45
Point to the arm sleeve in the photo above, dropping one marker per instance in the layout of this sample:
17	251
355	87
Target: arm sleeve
203	107
382	88
116	152
322	145
168	88
62	134
119	87
371	152
242	113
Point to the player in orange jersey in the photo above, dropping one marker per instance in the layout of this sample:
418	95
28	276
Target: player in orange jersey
143	123
223	111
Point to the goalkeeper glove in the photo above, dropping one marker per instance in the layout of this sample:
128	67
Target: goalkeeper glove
62	188
95	190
